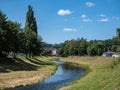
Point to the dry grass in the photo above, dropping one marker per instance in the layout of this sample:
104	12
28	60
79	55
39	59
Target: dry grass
104	75
20	77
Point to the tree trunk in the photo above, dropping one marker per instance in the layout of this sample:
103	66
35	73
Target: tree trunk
14	55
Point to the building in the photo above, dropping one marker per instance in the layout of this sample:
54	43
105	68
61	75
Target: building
107	54
54	52
51	51
110	54
116	55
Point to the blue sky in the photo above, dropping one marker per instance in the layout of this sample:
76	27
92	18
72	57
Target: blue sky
60	20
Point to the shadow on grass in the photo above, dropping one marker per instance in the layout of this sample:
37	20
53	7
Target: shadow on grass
39	62
9	64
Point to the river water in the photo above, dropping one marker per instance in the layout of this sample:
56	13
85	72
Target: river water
66	73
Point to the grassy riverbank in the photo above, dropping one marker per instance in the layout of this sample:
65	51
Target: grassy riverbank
104	74
22	71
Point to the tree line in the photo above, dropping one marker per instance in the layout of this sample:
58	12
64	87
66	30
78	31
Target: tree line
15	39
82	47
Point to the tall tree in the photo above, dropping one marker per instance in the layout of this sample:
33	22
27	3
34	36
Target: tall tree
31	20
118	32
3	40
3	20
32	45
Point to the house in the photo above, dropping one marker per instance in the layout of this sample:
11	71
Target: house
110	54
51	51
107	54
116	55
54	52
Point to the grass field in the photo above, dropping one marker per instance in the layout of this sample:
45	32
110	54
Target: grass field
104	74
22	71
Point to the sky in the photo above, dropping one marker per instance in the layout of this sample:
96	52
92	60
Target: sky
61	20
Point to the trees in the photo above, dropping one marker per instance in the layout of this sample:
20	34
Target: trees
12	36
100	48
118	50
118	32
118	40
91	50
3	41
8	36
82	47
74	48
31	20
14	39
31	41
32	45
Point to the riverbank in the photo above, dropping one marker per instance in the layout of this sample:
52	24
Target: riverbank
104	74
24	71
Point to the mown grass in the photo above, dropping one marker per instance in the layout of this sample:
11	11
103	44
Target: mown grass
24	71
104	74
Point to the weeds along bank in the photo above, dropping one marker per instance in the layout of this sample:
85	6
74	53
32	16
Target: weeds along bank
22	71
104	74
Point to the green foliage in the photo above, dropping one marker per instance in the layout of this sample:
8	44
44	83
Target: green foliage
74	47
91	50
22	41
3	19
96	48
3	40
11	35
81	47
118	32
14	39
118	49
32	42
8	35
31	20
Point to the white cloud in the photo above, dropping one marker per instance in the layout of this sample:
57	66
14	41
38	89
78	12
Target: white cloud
90	4
70	29
87	20
83	16
104	20
63	12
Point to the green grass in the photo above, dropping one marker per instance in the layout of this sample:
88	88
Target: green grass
25	71
104	74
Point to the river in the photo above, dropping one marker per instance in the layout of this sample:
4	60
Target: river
66	73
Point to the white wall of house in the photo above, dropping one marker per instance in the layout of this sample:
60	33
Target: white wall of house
116	55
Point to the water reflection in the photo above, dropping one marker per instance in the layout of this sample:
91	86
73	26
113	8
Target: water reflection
65	74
